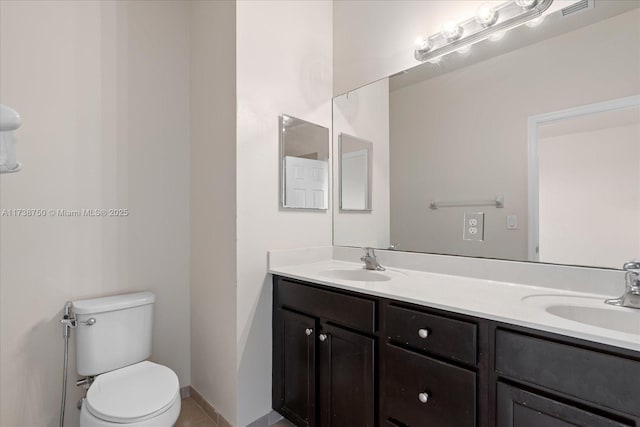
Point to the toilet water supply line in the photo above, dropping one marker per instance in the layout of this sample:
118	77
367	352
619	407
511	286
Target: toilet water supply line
68	322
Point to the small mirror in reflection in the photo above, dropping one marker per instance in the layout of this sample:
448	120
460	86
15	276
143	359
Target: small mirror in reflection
356	157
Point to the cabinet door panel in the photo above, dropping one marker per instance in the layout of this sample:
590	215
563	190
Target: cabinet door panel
520	408
298	382
347	393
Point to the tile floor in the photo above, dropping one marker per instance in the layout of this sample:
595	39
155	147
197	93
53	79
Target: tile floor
193	415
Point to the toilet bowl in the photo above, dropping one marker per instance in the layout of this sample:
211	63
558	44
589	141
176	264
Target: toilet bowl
113	343
141	395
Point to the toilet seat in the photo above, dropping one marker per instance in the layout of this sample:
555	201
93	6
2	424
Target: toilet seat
133	394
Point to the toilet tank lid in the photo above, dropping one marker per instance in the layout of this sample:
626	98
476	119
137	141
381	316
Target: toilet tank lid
112	303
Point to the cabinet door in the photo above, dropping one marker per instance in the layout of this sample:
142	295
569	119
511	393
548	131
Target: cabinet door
347	393
520	408
297	370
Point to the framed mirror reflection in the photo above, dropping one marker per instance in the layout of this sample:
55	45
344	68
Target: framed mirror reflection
356	160
489	131
304	164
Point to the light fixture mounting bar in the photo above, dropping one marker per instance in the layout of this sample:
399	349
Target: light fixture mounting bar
509	15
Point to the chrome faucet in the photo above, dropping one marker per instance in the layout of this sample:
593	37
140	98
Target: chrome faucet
631	297
370	261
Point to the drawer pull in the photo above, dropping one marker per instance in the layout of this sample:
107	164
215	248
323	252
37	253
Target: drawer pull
323	337
423	397
423	333
308	331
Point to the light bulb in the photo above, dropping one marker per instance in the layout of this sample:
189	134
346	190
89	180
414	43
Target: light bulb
526	4
486	15
423	44
451	31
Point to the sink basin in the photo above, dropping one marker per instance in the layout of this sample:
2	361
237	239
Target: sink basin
618	320
589	311
360	275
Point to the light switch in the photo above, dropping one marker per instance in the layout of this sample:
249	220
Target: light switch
473	226
512	222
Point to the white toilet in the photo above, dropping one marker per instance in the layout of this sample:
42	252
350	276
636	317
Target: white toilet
113	341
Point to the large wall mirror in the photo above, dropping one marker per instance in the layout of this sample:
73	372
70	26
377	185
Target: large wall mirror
304	164
538	132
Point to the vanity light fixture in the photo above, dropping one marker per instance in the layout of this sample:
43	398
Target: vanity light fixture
489	21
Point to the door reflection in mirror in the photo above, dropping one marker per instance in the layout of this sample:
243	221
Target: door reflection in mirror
356	157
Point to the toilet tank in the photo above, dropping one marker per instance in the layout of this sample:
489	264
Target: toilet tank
120	335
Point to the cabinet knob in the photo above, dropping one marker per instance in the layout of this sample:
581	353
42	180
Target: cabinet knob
323	337
423	397
308	331
423	333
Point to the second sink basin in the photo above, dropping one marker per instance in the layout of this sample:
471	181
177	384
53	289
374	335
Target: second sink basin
589	311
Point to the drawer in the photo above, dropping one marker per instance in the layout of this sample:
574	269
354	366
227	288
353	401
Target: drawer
589	375
451	391
453	339
358	313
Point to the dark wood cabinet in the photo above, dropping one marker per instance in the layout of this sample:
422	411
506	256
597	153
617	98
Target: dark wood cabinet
344	359
324	357
346	378
297	364
521	408
421	391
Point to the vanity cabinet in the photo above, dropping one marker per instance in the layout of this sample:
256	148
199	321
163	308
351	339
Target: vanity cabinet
347	359
323	356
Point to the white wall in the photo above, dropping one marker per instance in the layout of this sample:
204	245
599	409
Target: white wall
213	203
284	65
589	199
364	113
448	145
103	128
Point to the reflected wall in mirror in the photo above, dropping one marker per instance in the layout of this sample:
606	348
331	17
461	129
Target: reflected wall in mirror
356	158
304	164
458	131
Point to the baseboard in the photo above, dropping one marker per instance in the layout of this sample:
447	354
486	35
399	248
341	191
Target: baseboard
208	408
264	421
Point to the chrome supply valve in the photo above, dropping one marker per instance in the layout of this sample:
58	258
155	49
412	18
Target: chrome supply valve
85	382
631	297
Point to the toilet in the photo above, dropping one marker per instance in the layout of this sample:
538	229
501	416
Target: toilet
113	341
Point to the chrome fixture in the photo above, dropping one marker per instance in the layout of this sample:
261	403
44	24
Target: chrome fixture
10	120
308	331
631	296
370	261
498	202
393	246
487	22
423	397
423	333
323	337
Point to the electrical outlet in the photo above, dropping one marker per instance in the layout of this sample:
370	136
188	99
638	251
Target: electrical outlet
473	226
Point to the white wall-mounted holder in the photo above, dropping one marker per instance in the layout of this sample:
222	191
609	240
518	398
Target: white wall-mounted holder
10	120
488	21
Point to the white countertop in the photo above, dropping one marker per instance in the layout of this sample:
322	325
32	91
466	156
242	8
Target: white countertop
500	301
